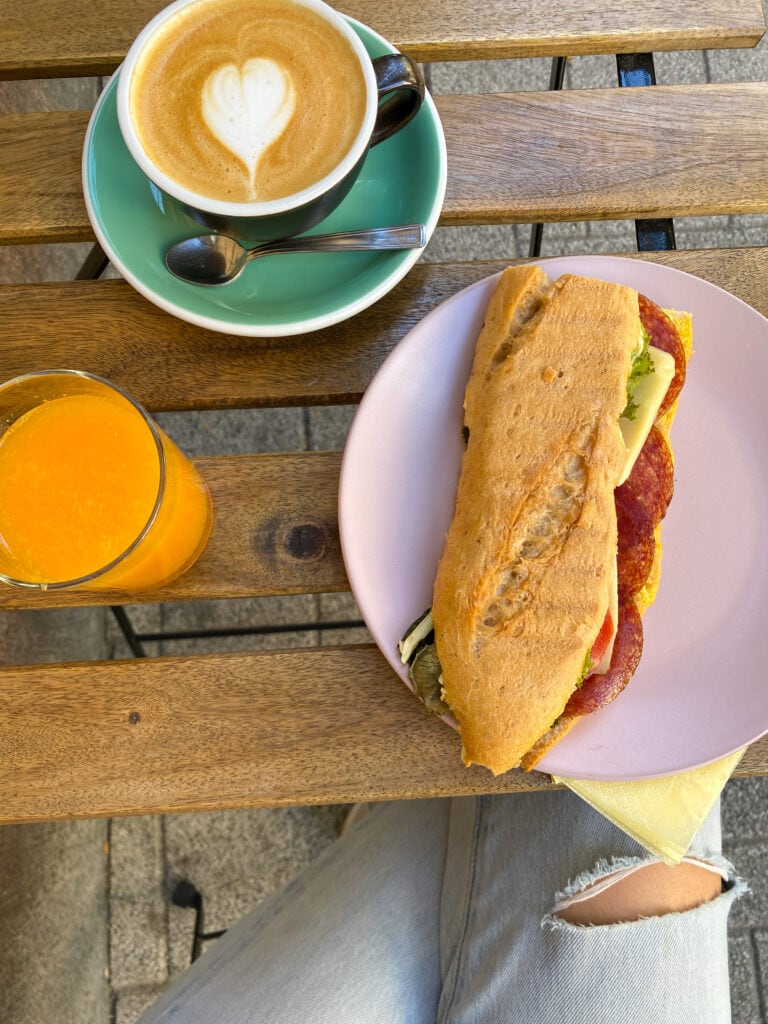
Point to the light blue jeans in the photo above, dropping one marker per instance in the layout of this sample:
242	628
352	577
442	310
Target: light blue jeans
441	911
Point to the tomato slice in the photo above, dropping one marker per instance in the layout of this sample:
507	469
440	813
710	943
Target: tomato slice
600	646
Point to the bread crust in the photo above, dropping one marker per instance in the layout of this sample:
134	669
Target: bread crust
523	584
647	594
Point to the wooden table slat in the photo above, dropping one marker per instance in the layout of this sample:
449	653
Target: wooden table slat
48	38
512	158
326	725
278	526
606	154
109	329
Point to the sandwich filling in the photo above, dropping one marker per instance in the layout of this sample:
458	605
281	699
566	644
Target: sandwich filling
522	642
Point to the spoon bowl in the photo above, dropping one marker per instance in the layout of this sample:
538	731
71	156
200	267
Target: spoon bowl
214	260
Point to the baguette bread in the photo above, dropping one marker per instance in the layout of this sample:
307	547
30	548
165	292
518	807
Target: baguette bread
524	582
645	597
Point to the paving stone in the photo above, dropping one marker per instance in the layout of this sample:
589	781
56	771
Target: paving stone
49	94
138	949
680	66
744	809
596	71
236	431
609	228
236	858
739	221
131	1003
181	936
343	637
336	607
600	71
568	230
233	642
745	998
614	244
578	246
712	239
58	634
760	939
482	242
744	65
136	858
22	264
513	75
750	860
289	609
141	619
53	906
672	68
328	426
144	619
749	230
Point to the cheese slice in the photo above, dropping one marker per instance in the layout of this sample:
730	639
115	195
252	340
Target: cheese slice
648	396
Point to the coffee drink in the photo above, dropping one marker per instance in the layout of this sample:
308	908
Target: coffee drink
247	100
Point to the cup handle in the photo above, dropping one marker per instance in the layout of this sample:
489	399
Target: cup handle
401	85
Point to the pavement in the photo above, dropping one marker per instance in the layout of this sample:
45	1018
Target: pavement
89	910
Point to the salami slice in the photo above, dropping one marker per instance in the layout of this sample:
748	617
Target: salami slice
664	336
598	690
652	479
636	541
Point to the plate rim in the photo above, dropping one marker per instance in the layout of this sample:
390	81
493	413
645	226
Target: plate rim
596	261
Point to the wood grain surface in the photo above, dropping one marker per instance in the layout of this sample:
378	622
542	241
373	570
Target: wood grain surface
512	158
48	38
109	329
601	154
325	725
275	531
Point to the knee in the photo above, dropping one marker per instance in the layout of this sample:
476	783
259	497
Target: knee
641	889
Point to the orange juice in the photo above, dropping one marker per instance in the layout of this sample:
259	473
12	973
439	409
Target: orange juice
87	486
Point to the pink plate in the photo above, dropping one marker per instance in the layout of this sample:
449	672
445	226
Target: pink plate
700	691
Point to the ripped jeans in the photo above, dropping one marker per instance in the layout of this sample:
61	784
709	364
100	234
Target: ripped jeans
442	911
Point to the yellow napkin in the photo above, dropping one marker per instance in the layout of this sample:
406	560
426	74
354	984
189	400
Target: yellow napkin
663	815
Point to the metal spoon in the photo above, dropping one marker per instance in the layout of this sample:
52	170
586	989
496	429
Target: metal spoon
219	259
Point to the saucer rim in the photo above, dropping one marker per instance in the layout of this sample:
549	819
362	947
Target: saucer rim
290	328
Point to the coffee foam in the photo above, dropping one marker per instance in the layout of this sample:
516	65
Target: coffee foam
242	101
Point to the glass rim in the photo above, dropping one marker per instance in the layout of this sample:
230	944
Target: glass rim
88	577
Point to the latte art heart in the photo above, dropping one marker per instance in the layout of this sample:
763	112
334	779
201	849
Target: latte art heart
248	108
238	101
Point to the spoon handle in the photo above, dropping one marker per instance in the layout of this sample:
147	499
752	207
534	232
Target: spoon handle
409	236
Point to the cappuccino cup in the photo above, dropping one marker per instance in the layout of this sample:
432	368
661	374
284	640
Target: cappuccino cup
256	115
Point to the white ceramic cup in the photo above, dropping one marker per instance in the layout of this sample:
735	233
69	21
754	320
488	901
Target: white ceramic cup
394	93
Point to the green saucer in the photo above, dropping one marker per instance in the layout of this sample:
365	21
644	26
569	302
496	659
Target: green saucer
402	182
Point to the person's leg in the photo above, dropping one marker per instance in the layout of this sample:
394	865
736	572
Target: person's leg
508	955
351	941
356	937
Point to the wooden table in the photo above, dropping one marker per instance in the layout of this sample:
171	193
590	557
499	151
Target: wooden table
325	724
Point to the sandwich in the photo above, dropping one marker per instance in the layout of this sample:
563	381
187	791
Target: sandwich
554	550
